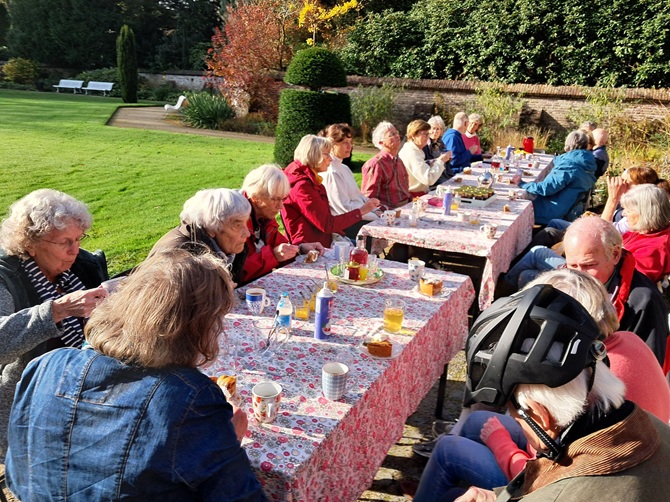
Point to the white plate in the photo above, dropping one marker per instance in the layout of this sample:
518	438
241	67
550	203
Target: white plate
369	280
395	351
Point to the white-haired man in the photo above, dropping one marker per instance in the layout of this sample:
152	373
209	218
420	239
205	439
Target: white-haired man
453	141
384	175
594	246
601	137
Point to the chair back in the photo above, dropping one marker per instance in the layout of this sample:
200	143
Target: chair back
582	203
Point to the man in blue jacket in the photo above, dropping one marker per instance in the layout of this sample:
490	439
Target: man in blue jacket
573	174
453	141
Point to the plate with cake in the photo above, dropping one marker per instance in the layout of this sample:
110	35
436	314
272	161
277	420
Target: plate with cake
381	347
430	287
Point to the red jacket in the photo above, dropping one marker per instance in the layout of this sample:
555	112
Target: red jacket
261	259
651	252
306	212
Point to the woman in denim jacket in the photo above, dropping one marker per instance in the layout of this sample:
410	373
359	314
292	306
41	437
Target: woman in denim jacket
131	417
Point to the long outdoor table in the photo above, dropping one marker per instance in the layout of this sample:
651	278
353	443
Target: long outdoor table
444	233
330	450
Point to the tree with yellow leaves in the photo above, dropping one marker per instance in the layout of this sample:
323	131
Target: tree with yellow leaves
315	17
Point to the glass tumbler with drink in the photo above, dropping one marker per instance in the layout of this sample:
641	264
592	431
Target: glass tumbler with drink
394	314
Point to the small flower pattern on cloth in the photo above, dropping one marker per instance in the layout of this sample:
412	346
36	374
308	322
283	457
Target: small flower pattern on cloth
317	449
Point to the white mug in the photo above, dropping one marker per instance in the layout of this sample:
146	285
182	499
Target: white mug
334	380
416	269
460	216
489	230
389	216
266	399
257	300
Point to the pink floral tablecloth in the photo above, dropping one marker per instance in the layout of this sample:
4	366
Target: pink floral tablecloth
330	450
445	233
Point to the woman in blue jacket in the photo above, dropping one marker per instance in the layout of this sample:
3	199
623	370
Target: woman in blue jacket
573	174
130	417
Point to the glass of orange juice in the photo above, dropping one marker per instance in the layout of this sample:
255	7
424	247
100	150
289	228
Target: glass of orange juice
302	310
394	313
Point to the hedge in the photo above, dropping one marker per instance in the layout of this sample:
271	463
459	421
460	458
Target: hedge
316	68
306	112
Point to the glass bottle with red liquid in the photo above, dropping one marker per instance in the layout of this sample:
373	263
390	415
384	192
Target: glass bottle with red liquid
496	160
359	254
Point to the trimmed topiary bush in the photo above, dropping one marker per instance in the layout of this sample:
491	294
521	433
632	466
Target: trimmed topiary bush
316	68
304	112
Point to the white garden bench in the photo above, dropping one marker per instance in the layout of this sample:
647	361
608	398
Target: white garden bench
103	87
75	85
175	108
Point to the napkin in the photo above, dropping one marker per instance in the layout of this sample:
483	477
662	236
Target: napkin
435	201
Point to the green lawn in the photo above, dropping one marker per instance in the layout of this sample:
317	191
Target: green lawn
134	181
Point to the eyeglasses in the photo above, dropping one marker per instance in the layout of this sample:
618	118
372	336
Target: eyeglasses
277	200
68	243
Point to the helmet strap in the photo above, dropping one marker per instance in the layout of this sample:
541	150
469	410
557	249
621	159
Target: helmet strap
554	448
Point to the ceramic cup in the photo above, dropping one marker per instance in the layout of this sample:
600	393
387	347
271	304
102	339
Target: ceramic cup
489	230
416	269
440	190
389	217
460	216
341	251
111	285
266	399
334	380
257	300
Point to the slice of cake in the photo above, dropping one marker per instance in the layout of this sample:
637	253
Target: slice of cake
380	349
430	287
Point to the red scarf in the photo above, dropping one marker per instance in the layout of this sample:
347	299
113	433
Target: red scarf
626	274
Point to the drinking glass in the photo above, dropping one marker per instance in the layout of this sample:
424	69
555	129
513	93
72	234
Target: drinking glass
394	313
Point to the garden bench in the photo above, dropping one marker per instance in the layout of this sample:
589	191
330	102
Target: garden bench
175	108
75	85
103	87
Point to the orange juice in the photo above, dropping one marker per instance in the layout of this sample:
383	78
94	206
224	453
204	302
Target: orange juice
362	273
393	318
302	311
312	302
332	285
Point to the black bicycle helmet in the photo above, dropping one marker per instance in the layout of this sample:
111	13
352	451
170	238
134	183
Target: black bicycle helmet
537	336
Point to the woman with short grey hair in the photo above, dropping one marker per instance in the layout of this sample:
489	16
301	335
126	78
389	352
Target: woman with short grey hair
471	138
306	212
48	285
647	210
265	188
214	219
563	193
435	145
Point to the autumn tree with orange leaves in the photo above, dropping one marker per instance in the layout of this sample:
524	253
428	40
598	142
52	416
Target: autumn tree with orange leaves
242	57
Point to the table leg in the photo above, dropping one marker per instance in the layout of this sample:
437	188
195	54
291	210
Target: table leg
441	388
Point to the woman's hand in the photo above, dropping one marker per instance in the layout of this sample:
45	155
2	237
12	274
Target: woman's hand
445	157
369	206
475	494
240	422
306	247
285	252
616	187
490	426
77	304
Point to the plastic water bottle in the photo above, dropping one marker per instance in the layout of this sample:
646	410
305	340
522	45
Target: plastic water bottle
509	152
324	309
446	202
284	312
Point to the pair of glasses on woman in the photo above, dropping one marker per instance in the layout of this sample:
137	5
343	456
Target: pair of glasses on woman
67	243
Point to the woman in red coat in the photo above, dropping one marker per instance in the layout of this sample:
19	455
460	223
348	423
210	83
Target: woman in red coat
306	211
267	248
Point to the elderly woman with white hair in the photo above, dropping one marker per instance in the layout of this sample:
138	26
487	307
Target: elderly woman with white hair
267	248
647	211
435	146
461	156
384	175
48	284
470	138
558	195
215	219
306	212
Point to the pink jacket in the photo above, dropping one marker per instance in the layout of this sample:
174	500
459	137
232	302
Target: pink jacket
651	251
306	212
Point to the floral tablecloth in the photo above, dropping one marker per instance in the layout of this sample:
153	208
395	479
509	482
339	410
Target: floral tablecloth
330	450
445	233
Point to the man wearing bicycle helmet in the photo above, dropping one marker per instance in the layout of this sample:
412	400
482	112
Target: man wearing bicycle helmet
539	352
